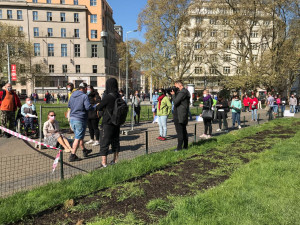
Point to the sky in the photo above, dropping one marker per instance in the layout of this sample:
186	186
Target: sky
125	13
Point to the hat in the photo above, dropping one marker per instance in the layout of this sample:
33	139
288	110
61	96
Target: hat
82	85
70	84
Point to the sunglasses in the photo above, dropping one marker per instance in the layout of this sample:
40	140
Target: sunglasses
52	115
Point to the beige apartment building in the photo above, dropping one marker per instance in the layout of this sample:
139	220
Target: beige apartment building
74	41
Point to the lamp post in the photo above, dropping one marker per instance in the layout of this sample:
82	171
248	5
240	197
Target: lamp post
120	73
127	62
8	65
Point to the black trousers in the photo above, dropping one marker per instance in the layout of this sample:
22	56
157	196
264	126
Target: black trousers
182	136
138	114
93	125
207	126
110	135
222	118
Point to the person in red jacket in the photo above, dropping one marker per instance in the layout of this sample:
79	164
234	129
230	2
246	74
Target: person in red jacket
246	101
253	102
9	103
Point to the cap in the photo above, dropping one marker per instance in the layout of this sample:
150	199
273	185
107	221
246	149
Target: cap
83	85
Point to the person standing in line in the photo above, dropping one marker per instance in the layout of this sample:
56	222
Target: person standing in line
93	117
71	90
270	104
222	110
137	107
27	110
154	103
253	106
164	109
80	105
282	104
47	97
181	100
259	102
52	98
9	103
246	103
207	120
236	106
110	134
35	97
293	103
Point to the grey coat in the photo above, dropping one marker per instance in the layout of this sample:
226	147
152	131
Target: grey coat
181	106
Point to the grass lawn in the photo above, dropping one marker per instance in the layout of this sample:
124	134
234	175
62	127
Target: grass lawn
266	190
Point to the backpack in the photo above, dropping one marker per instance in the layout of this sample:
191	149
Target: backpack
120	111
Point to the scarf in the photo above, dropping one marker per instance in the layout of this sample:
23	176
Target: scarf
206	98
160	98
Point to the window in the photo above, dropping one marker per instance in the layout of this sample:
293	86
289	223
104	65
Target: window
50	49
37	49
213	21
64	68
35	15
94	34
186	33
50	32
63	32
238	70
51	68
227	46
49	2
240	46
239	58
254	46
20	31
254	34
37	68
77	50
198	33
77	68
226	70
199	20
226	33
266	23
213	58
225	22
75	2
19	15
36	32
95	69
49	16
198	70
94	18
213	70
213	33
22	68
93	81
62	2
62	17
227	58
198	45
34	1
64	50
187	45
0	13
93	2
199	58
9	14
254	58
76	33
213	45
253	23
76	17
94	51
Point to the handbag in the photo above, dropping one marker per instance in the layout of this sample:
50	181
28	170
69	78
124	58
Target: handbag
207	114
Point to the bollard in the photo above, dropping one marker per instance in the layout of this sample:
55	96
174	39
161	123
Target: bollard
61	165
147	146
244	121
258	119
195	133
40	127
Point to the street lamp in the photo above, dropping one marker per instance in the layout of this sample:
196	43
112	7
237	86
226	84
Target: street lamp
120	73
127	61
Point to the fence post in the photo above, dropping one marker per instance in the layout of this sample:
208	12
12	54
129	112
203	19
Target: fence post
195	133
40	126
61	165
244	121
147	141
132	115
148	112
258	119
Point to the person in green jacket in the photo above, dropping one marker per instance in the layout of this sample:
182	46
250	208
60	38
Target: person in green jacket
164	108
236	106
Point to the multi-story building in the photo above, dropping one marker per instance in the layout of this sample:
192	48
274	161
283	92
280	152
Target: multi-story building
74	40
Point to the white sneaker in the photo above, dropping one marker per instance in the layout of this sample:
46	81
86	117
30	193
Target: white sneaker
218	130
240	127
95	143
203	136
208	137
89	142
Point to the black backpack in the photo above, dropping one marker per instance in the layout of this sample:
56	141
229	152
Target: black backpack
120	111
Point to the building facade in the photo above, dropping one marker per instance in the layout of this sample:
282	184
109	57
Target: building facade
74	41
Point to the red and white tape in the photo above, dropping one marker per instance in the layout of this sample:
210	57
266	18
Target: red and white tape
36	142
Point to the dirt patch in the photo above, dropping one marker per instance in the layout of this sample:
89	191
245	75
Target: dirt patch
200	172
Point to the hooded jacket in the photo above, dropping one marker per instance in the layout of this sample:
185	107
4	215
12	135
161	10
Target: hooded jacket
80	105
108	101
181	103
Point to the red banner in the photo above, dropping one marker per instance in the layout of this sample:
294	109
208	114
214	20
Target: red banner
13	72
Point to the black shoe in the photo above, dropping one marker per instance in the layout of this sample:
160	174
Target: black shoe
86	152
73	158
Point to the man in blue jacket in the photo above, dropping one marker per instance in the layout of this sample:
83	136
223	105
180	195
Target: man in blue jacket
80	105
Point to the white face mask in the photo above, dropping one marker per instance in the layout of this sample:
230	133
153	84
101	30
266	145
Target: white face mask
204	95
28	102
69	89
156	93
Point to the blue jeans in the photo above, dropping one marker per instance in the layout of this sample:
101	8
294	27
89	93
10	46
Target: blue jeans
254	114
162	122
275	108
236	117
282	108
292	108
79	128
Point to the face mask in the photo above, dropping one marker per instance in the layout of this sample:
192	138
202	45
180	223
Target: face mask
88	92
9	89
52	118
204	95
69	89
160	94
28	102
156	93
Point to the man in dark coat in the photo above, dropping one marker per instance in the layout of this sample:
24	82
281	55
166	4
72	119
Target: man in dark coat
181	101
